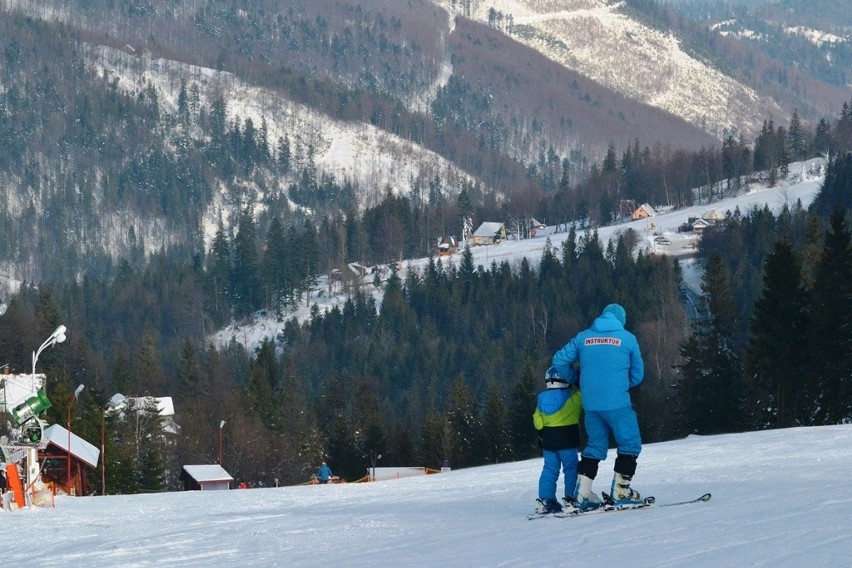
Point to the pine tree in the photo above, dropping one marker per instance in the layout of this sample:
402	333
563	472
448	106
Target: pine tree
189	380
148	372
140	448
773	363
245	280
219	277
495	429
822	142
345	451
465	423
569	250
110	457
467	274
276	279
836	190
262	384
830	331
712	368
434	445
183	106
151	469
308	257
521	408
283	157
797	138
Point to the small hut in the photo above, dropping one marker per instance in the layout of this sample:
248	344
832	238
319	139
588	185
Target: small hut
489	233
205	478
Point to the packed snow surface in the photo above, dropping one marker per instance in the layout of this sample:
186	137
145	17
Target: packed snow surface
780	498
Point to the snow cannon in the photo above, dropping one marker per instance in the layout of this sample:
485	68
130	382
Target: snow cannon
31	407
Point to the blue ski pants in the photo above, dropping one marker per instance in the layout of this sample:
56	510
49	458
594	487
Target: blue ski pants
553	461
621	423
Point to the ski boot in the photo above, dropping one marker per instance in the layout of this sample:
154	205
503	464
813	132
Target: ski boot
584	498
548	506
622	495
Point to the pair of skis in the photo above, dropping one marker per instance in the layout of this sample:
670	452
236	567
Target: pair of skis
609	507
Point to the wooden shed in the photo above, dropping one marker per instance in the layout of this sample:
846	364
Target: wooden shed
205	478
54	457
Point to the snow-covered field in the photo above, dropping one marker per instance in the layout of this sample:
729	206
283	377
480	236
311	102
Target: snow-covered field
781	498
802	184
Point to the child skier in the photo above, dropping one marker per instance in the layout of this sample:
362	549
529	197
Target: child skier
557	418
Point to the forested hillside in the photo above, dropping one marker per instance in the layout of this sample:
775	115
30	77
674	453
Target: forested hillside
814	40
170	168
172	120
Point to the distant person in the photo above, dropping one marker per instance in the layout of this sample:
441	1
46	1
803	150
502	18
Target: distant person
557	419
324	473
610	363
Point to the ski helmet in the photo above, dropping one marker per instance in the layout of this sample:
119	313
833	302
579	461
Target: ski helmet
554	380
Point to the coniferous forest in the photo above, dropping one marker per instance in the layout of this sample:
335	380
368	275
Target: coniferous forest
448	364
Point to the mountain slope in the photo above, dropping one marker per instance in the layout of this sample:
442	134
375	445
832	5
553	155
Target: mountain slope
371	158
627	51
779	499
815	41
534	99
370	98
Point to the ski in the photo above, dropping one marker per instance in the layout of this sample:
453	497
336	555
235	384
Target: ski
703	498
647	502
534	516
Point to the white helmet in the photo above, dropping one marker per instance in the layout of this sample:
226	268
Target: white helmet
554	380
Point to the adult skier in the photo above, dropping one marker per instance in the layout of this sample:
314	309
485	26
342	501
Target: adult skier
324	472
610	363
557	419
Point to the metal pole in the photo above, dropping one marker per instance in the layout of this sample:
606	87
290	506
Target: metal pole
68	477
70	406
103	451
221	425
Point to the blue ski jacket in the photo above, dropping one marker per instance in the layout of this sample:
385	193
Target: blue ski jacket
324	472
610	363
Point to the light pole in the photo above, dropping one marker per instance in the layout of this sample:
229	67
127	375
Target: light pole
70	405
113	402
103	457
221	425
57	336
373	459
